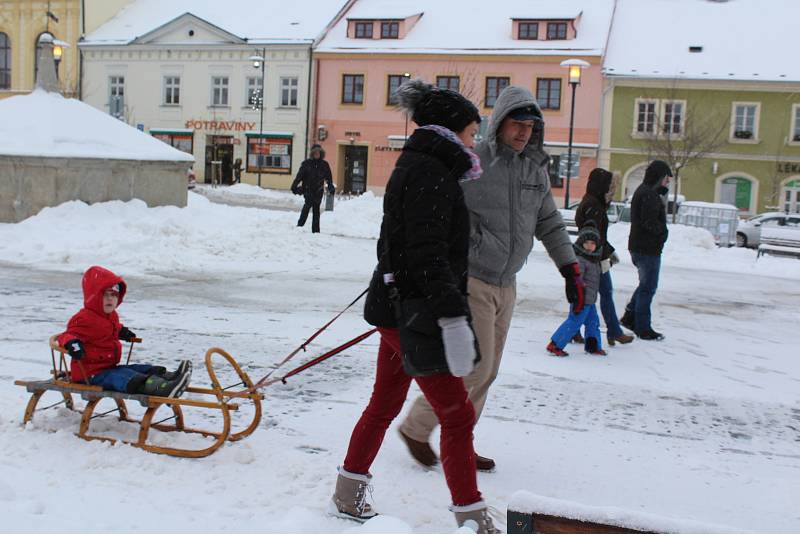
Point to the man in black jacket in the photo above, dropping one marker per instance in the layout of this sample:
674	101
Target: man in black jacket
646	242
309	182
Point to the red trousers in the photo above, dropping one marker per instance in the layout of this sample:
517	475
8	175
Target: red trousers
447	396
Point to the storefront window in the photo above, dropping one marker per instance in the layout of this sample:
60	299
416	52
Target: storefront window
269	154
182	141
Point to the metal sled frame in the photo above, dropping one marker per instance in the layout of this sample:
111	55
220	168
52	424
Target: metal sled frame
221	400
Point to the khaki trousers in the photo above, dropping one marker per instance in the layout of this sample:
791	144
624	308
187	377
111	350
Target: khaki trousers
491	307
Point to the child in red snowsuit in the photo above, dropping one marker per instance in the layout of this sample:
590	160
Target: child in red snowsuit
92	340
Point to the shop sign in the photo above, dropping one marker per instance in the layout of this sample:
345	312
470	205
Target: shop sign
232	126
788	168
381	148
352	134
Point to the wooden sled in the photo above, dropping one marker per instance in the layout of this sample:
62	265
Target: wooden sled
220	400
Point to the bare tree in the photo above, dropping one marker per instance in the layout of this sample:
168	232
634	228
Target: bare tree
685	129
468	84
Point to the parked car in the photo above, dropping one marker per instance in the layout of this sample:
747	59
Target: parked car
614	210
748	234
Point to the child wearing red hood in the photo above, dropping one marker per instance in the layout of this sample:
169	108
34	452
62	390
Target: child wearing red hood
92	338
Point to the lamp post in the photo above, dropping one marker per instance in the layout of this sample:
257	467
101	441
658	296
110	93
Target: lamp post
575	66
259	62
407	76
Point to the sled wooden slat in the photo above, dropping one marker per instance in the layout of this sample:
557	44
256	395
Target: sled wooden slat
526	523
93	395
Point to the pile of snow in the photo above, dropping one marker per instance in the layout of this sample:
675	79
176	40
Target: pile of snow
49	125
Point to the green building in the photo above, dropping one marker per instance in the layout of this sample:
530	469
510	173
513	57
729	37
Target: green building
725	113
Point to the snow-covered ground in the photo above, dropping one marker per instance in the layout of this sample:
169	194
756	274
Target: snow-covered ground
698	433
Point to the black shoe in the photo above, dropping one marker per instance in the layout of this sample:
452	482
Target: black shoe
628	321
650	335
161	387
184	368
577	338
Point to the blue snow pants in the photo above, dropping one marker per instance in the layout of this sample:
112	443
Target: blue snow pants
117	378
587	318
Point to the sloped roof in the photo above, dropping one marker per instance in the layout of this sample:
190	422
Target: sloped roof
740	40
257	21
49	125
475	27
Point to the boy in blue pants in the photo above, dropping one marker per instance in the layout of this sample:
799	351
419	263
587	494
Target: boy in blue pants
588	253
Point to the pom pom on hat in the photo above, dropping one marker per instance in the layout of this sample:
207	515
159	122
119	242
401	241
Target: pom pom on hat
427	104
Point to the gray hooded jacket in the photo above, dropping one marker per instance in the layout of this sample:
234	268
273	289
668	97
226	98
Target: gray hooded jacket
511	202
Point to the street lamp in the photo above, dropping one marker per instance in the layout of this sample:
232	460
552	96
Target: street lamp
407	76
259	62
575	67
58	51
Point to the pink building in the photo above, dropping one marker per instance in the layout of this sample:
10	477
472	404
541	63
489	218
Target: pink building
459	44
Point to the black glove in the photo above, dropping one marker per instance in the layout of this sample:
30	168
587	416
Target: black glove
125	334
574	286
75	348
297	190
331	189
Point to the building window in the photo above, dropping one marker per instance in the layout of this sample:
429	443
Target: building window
219	90
745	121
395	81
182	141
172	90
116	96
269	154
552	169
364	30
645	116
5	61
548	93
494	86
390	30
795	138
528	31
448	82
353	89
289	92
254	96
672	117
556	31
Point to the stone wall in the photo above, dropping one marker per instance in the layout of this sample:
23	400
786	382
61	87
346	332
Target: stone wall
28	184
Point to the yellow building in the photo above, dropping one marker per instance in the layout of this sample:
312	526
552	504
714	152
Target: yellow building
23	21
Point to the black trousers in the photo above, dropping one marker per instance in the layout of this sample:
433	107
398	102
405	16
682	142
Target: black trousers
313	205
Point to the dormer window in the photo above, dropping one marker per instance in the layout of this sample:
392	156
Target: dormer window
556	31
364	30
390	30
528	30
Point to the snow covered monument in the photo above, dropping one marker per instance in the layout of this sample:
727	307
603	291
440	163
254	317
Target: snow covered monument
54	149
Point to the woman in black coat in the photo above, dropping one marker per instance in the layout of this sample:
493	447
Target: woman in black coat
422	258
594	207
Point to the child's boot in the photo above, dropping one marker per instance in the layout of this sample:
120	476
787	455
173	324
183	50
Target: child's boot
475	516
161	387
184	368
593	348
349	500
553	349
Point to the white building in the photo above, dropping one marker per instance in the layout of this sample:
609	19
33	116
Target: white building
182	70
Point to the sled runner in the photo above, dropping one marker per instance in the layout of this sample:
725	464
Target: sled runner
219	398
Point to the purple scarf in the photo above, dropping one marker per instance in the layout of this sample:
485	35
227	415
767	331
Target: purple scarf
475	171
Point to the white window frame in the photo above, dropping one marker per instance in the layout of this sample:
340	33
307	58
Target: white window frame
169	88
756	119
635	131
795	125
289	90
250	86
224	88
662	118
113	87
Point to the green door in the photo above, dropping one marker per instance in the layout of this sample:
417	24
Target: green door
736	191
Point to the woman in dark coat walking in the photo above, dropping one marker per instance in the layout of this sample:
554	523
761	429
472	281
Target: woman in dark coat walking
422	254
314	173
594	207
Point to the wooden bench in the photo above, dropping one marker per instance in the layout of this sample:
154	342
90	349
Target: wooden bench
779	241
221	398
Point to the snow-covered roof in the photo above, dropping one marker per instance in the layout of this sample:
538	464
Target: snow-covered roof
49	125
740	39
259	22
475	27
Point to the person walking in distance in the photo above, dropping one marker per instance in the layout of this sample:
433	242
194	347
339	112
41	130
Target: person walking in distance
645	243
509	206
314	173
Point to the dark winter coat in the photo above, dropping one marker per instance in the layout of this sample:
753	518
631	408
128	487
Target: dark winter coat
593	207
425	230
97	330
648	219
312	176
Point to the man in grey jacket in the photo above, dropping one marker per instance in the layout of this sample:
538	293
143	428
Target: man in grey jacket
509	205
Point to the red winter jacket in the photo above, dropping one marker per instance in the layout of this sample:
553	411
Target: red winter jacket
98	331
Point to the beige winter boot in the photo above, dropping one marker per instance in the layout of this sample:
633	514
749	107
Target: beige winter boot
475	516
349	501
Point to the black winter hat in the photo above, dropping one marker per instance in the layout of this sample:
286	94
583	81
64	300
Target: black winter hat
656	172
588	232
427	104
